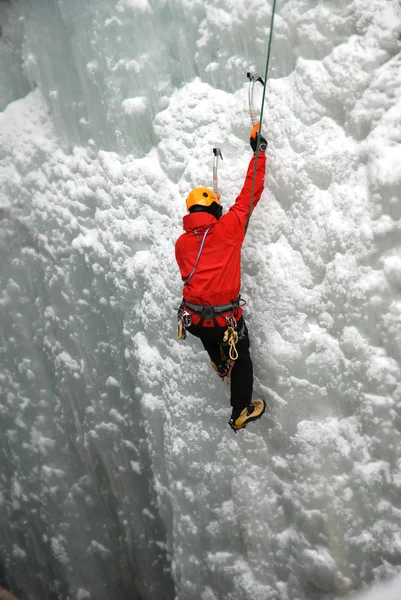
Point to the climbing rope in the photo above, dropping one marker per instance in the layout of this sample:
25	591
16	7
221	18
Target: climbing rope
231	338
261	113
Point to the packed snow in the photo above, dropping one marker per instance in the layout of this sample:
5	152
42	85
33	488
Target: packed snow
120	475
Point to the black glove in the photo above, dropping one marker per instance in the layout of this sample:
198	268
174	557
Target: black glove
254	138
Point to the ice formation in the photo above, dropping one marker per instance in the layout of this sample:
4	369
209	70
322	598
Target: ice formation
120	477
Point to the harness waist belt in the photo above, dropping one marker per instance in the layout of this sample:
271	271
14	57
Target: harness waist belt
222	308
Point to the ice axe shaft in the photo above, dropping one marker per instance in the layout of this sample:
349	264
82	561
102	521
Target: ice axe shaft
253	78
217	153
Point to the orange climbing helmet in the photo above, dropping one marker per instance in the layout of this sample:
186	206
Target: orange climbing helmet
202	196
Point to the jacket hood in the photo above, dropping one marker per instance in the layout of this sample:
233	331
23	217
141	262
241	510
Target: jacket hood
198	220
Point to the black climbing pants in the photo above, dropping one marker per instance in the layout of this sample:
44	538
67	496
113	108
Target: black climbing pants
242	372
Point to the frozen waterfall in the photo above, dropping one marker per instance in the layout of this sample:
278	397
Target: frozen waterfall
120	478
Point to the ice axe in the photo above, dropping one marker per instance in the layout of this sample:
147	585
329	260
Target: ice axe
217	153
253	78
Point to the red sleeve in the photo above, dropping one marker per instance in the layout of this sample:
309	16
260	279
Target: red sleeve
237	217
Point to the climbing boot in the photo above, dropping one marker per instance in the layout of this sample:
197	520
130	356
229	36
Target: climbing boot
250	413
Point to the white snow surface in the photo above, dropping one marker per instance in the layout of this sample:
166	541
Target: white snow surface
120	476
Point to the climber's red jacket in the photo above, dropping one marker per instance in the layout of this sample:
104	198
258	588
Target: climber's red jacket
217	278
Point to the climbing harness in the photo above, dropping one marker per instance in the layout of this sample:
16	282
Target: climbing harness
223	315
252	80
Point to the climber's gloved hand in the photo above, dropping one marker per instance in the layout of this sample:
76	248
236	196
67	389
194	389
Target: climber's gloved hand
254	138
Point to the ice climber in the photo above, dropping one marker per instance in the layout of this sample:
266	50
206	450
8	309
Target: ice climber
209	256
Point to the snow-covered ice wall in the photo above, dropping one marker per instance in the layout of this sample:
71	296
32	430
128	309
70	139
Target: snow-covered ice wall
120	477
